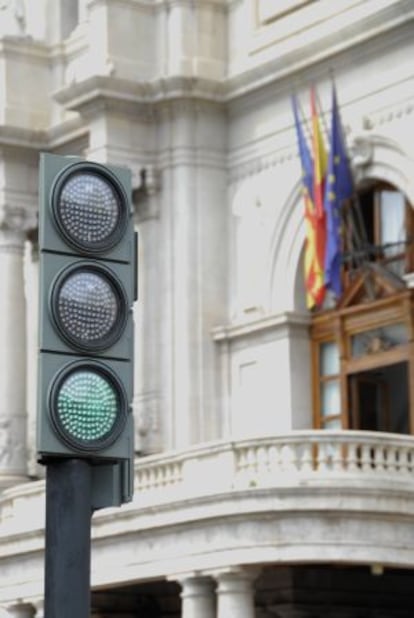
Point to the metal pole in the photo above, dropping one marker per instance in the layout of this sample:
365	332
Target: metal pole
68	539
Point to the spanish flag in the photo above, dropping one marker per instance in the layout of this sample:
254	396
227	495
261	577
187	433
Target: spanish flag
312	183
320	163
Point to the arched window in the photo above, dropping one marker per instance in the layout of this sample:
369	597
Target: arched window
378	228
362	355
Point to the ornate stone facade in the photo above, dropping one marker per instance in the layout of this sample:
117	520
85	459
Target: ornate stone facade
232	483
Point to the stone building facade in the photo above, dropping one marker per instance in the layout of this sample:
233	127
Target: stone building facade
248	503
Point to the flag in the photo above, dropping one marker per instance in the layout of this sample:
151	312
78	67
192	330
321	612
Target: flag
314	282
339	187
319	176
319	160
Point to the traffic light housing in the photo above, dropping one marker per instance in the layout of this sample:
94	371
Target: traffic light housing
87	287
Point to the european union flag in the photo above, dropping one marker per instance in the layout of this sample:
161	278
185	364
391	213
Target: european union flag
339	187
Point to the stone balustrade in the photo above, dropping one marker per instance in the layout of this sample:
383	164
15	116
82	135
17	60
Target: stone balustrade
330	496
221	467
273	461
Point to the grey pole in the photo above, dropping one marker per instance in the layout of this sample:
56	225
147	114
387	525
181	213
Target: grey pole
68	539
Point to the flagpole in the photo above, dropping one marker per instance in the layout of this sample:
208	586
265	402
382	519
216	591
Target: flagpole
321	116
304	121
358	237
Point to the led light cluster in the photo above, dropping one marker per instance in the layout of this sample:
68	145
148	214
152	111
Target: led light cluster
88	209
87	306
87	406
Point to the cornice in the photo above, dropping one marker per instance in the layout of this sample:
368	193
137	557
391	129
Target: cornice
109	93
26	47
394	19
161	4
34	140
66	132
19	137
270	323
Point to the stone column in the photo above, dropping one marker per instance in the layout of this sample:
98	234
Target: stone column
235	593
21	610
13	468
198	598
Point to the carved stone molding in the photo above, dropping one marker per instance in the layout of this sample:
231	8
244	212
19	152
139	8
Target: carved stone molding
12	451
361	151
147	422
281	325
15	226
144	196
109	93
391	114
240	170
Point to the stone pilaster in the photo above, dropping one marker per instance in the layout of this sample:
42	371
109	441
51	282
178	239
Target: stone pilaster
235	593
13	468
198	597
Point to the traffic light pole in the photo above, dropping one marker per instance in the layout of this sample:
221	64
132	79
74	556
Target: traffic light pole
68	538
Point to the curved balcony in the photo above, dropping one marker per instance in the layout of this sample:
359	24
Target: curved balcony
309	496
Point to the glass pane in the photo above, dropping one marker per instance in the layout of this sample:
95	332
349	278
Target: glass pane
392	215
333	423
329	359
379	339
330	398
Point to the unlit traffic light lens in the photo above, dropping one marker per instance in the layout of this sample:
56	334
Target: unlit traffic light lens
90	210
88	408
89	307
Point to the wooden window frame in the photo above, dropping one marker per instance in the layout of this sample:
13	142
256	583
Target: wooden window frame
339	326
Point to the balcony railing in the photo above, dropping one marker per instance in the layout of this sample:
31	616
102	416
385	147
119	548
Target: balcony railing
316	456
327	458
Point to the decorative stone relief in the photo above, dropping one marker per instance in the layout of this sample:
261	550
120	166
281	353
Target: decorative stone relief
19	221
147	428
146	204
361	151
11	449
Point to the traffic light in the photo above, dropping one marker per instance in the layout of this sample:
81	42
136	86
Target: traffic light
87	287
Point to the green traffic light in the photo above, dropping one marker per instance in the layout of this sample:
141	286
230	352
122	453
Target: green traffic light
87	408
